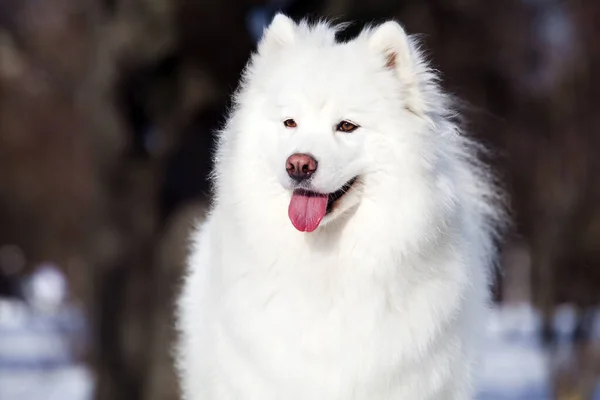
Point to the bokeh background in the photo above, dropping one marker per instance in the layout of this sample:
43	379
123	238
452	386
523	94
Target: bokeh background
107	114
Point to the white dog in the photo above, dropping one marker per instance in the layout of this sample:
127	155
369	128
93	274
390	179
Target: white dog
348	251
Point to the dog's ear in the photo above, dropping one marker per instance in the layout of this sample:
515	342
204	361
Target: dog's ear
280	32
391	41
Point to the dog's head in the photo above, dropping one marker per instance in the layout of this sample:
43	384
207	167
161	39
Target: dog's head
325	126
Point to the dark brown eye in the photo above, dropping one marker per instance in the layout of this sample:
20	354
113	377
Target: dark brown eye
346	126
290	123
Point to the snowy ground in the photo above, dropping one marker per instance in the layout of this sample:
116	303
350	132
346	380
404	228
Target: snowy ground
36	355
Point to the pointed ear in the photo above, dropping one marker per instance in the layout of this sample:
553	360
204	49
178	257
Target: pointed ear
390	40
280	32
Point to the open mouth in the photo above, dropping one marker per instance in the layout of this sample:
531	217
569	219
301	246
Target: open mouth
332	198
307	209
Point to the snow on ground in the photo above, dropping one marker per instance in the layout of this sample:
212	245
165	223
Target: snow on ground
514	367
37	362
38	341
36	355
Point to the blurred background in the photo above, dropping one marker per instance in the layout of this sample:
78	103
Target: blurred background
107	114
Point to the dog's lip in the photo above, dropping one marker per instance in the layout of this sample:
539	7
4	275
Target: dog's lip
332	197
338	194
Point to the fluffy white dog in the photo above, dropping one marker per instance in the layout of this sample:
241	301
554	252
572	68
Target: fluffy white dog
348	251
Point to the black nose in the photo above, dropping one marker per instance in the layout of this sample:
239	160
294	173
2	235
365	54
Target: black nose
300	166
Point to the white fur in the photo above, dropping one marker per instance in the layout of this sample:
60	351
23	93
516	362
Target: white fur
387	298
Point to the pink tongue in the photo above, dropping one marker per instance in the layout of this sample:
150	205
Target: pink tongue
307	210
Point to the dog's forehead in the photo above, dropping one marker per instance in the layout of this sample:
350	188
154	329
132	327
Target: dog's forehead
338	72
334	64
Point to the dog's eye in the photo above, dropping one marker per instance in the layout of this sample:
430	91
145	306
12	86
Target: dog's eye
346	126
290	123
